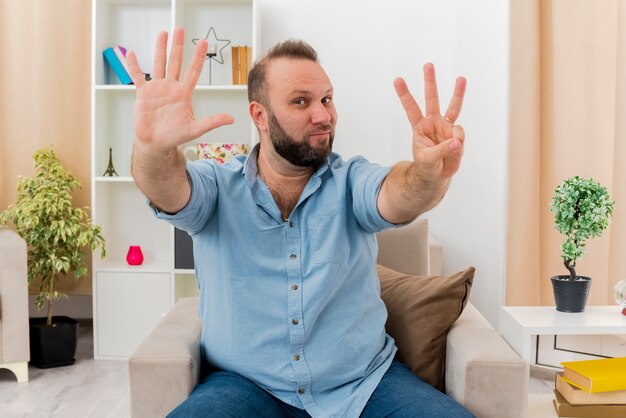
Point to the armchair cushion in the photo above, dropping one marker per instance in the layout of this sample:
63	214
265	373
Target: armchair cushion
421	310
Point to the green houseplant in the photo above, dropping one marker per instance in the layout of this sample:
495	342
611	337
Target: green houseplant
582	209
57	234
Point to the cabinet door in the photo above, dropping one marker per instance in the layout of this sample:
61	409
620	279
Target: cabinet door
128	306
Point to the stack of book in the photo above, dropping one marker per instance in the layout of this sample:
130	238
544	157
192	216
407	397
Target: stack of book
242	63
591	388
116	57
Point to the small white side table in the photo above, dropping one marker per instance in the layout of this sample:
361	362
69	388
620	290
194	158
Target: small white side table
519	325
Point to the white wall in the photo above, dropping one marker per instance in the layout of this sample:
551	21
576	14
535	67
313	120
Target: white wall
363	45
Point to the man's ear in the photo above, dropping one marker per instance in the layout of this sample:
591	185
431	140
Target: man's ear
258	112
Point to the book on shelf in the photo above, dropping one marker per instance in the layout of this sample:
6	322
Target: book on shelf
242	63
248	61
120	53
565	409
593	376
116	66
576	396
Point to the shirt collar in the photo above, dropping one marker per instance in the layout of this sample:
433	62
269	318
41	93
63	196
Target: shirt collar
250	168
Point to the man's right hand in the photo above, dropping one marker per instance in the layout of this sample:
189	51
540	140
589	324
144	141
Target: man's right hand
164	115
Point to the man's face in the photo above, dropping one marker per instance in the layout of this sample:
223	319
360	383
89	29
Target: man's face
301	112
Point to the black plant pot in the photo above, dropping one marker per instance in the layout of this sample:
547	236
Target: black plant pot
571	296
53	346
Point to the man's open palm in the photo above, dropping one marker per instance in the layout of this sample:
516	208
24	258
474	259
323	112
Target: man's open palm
163	108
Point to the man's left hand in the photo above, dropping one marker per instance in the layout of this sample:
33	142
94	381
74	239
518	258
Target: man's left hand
437	140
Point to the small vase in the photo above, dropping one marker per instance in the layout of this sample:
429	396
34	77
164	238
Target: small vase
134	256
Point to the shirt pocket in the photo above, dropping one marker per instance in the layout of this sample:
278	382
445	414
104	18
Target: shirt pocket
328	235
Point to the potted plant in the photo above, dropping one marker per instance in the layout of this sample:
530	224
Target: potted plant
582	209
57	234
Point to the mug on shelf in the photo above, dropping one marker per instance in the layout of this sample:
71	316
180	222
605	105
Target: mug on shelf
220	152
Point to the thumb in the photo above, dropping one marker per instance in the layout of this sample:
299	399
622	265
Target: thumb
202	126
431	155
459	133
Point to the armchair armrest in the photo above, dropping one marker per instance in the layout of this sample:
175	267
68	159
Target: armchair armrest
166	366
482	371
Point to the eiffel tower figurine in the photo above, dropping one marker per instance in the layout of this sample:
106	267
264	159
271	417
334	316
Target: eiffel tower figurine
110	169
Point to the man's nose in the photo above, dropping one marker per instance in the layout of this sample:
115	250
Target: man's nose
320	114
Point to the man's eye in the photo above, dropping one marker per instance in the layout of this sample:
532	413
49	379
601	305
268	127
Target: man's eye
327	100
299	101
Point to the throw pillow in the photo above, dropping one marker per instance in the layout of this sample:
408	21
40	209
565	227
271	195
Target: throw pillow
421	310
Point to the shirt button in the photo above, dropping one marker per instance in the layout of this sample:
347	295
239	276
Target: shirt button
301	391
292	224
296	357
294	321
294	287
293	256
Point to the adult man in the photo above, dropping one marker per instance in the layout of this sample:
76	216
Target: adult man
293	323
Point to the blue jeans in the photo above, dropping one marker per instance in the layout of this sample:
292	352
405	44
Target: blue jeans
400	394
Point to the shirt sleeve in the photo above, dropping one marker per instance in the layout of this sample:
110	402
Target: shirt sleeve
365	180
201	206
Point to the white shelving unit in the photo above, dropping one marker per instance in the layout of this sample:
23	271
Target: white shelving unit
130	300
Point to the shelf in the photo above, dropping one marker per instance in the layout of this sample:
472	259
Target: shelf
185	271
219	88
120	179
223	88
126	219
123	267
130	300
115	87
133	24
231	20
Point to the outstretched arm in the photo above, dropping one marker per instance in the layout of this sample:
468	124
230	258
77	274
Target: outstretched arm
412	188
164	119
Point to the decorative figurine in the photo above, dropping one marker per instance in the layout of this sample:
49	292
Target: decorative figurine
110	169
216	46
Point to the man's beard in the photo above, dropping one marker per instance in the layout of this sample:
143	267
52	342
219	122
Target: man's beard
298	153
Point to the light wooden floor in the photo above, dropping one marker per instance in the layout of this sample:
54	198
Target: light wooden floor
92	388
88	388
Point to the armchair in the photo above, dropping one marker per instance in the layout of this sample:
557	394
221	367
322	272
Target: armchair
482	372
14	340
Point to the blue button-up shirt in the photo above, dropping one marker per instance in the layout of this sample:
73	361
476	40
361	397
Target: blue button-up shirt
292	305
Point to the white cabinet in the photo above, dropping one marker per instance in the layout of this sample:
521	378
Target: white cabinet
130	300
128	305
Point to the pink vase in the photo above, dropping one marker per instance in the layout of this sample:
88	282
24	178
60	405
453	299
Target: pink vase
134	256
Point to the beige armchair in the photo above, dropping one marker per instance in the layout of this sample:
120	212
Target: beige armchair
14	341
482	372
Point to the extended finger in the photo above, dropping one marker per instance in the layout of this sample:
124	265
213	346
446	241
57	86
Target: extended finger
202	126
430	90
160	54
197	61
411	107
456	103
176	54
133	69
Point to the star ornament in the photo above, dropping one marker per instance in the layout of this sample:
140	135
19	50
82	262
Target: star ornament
212	39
